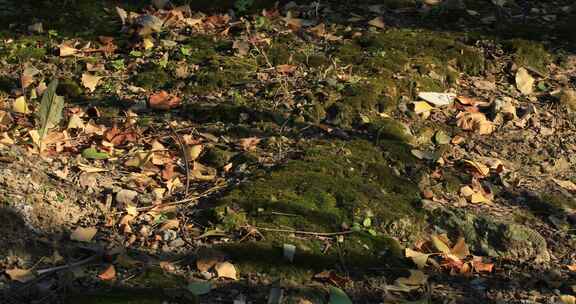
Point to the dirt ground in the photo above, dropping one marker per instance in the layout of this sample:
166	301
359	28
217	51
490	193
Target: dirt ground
395	151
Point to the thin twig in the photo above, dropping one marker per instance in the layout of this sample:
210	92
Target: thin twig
184	156
306	232
183	201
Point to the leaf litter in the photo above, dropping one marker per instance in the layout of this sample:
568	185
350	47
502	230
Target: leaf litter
128	152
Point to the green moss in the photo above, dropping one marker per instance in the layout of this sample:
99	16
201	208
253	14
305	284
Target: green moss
377	95
216	157
221	73
230	114
389	128
153	78
331	185
69	88
530	54
394	50
359	250
29	52
198	49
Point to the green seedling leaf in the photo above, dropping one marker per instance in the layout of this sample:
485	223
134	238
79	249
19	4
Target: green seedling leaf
92	153
200	288
338	296
51	108
135	53
367	222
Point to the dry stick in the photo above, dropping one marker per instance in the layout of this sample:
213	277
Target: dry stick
306	232
184	156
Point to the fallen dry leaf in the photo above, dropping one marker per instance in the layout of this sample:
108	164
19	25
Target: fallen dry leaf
20	105
478	168
419	258
90	81
163	101
249	143
474	122
377	22
286	68
460	249
226	270
194	152
524	82
480	266
83	234
20	275
566	184
66	50
109	274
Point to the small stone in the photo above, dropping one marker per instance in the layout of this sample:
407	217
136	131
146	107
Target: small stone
125	196
177	243
169	235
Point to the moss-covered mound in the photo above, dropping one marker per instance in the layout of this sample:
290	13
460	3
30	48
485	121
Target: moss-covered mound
331	187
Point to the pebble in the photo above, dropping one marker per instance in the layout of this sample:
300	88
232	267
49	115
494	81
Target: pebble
169	235
177	243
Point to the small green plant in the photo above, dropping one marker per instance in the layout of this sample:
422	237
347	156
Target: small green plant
243	5
118	64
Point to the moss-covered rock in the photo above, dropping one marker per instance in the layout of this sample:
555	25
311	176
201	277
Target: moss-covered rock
530	54
216	157
221	73
69	88
389	128
493	237
332	185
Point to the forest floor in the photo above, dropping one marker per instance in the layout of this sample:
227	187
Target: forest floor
366	152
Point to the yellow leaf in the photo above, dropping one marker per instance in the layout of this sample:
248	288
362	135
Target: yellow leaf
90	81
148	43
421	107
567	299
440	245
20	105
83	234
466	191
478	197
226	270
419	258
194	152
